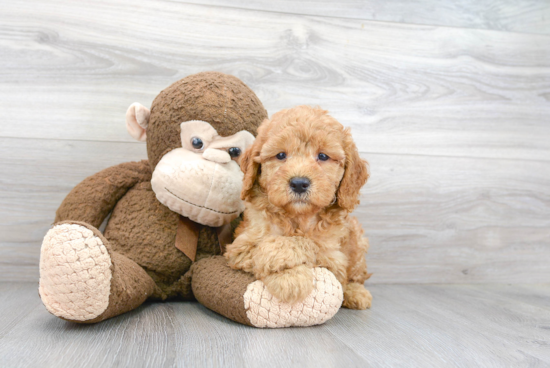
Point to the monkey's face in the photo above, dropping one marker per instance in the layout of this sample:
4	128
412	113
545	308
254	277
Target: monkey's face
194	163
202	179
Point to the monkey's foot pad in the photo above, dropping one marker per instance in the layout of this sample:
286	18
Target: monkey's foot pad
264	310
75	273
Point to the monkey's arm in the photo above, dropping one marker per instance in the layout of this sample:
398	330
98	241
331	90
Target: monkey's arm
93	199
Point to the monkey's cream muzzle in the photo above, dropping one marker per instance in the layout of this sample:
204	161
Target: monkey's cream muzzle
203	184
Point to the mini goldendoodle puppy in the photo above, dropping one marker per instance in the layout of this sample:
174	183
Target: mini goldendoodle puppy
302	178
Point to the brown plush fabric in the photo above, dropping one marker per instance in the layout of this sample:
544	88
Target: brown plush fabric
130	287
141	232
144	230
222	100
220	288
92	199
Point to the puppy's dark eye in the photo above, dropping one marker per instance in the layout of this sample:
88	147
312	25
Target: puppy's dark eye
322	157
234	152
196	143
281	156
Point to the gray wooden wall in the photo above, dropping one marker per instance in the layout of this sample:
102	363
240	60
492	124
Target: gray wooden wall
449	103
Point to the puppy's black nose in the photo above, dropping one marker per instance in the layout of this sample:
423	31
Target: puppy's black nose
299	184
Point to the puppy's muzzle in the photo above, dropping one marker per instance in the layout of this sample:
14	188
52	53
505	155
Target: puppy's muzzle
299	184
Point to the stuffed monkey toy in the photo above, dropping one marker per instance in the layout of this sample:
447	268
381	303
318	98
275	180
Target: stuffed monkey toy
170	217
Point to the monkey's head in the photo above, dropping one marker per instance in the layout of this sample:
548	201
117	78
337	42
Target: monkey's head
196	131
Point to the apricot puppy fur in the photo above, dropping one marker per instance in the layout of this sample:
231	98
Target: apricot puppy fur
302	178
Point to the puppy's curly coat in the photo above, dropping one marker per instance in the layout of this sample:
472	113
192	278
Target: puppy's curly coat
302	178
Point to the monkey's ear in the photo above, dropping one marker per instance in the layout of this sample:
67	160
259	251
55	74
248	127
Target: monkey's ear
137	119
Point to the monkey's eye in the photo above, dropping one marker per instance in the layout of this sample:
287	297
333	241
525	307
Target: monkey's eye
281	156
234	152
322	157
196	143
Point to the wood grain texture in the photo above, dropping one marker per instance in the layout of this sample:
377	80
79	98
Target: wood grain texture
453	121
35	176
70	69
409	325
450	326
17	301
429	219
531	16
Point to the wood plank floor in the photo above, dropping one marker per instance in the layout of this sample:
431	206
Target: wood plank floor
409	325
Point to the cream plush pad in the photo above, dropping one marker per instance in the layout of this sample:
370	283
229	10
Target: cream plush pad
264	310
73	263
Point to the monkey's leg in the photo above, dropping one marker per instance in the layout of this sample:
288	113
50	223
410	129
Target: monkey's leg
83	280
237	295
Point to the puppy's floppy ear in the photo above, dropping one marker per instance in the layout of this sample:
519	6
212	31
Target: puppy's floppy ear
250	166
355	175
250	162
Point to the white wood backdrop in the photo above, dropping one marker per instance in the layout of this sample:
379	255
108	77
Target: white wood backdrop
450	104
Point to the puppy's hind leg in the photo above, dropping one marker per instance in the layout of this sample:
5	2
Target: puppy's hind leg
356	296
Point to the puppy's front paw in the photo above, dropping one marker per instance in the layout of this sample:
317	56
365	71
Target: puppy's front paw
291	285
356	296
